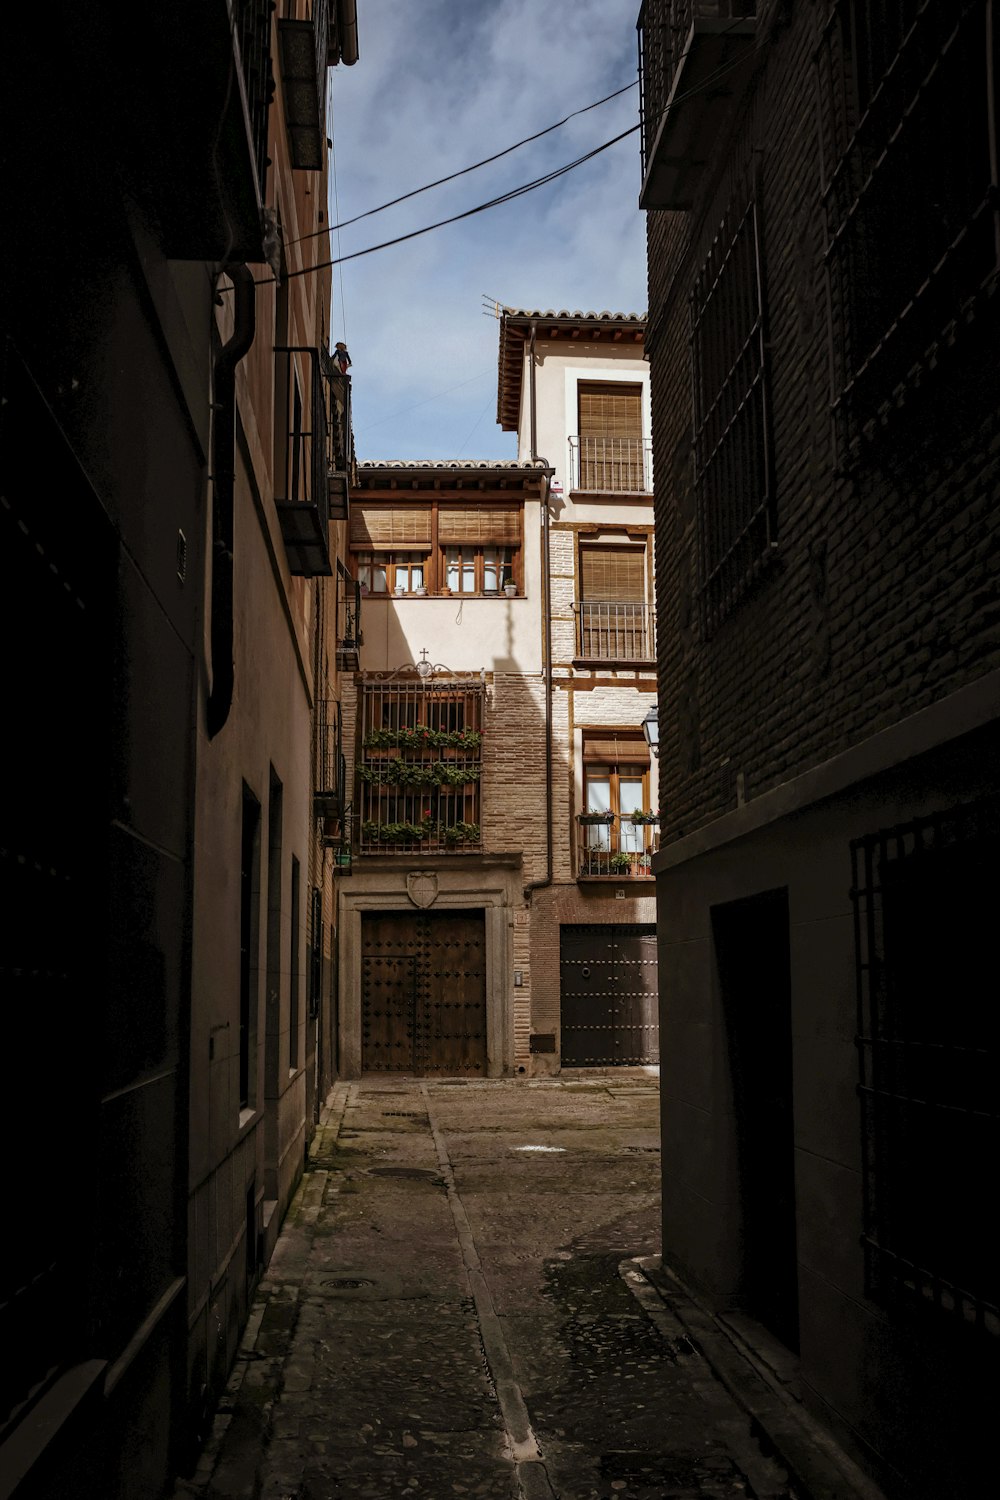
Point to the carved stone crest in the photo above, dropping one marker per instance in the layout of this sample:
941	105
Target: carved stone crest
422	887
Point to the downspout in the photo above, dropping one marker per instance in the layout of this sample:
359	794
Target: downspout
220	698
546	879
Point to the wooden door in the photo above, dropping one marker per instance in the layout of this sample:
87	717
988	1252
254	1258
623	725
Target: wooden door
609	996
423	993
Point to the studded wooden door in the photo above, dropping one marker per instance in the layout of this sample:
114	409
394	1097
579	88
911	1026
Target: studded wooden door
609	996
423	993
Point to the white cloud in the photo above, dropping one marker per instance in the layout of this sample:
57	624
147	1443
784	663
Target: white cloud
440	84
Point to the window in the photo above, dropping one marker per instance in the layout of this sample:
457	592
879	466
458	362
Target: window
926	896
249	927
608	453
420	767
617	827
732	458
293	970
437	546
386	572
614	622
910	189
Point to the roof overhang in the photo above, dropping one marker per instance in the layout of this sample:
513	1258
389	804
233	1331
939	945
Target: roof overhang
516	325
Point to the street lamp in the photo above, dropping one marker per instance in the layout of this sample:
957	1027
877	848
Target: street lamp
651	730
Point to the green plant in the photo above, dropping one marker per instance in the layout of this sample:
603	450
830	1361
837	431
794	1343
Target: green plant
395	833
419	736
462	833
620	862
417	773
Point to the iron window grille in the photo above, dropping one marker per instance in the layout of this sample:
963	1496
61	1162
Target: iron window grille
909	140
925	899
614	621
330	765
252	28
419	775
301	464
733	470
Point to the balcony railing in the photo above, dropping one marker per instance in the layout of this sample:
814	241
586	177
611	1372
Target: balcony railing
349	636
611	465
302	480
620	849
331	778
690	56
615	632
304	51
420	768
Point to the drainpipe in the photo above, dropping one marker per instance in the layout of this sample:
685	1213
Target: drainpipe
347	16
220	698
546	879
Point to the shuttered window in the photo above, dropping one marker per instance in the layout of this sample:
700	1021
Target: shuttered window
613	573
611	411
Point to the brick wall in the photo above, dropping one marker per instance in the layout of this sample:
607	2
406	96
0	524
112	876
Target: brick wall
881	596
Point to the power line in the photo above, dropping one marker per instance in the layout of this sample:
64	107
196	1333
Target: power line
415	192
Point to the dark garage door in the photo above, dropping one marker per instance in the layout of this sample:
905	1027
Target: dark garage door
423	992
608	990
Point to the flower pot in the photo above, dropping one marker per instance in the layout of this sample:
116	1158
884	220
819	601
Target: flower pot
510	589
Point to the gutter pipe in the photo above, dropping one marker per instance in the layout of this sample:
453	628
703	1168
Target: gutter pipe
221	604
347	26
546	879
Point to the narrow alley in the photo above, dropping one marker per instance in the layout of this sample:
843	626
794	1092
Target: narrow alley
451	1310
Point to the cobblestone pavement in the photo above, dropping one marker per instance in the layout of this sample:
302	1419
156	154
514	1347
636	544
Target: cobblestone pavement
448	1313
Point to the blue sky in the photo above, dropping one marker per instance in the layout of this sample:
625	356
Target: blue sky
440	84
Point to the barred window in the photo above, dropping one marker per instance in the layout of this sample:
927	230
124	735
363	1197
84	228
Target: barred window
732	453
925	897
909	188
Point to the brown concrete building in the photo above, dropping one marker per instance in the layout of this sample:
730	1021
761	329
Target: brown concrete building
821	189
502	684
175	450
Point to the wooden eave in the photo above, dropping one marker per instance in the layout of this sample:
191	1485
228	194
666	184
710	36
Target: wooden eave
515	329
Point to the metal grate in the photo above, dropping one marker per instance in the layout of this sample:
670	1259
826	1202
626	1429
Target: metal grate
732	450
330	767
301	477
615	632
610	465
925	901
419	773
664	28
252	24
910	190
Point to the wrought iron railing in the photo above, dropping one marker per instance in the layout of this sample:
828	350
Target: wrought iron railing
349	636
664	27
615	632
331	778
252	28
419	773
303	41
621	848
611	465
301	474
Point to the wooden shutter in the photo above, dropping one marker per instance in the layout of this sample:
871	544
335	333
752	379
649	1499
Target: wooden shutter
463	525
613	573
376	526
611	411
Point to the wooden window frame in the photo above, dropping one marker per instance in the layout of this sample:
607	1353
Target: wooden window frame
434	550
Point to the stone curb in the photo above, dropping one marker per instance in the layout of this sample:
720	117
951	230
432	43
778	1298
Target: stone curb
818	1468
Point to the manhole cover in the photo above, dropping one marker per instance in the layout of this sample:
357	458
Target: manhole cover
400	1114
414	1172
346	1283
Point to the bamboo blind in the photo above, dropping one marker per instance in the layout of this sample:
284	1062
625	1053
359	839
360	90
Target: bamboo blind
375	526
613	573
616	752
459	524
611	411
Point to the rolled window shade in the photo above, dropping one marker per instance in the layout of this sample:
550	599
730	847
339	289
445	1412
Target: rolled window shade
613	573
616	752
374	526
611	411
463	525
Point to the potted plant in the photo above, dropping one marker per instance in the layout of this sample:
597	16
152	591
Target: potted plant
620	863
595	819
510	589
420	590
399	589
643	819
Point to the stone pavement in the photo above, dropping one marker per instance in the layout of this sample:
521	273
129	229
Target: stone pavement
452	1309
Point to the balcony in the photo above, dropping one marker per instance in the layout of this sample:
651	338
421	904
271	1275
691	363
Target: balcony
694	64
420	768
616	848
200	121
303	48
615	633
611	466
331	774
349	636
302	476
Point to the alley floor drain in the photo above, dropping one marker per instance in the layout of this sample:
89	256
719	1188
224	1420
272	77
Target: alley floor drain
413	1172
347	1283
